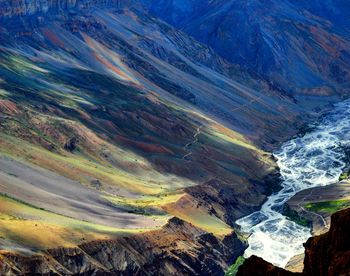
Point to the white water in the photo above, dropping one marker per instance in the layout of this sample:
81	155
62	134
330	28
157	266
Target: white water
315	159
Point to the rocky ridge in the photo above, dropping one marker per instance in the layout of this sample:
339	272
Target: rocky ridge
23	7
301	46
178	247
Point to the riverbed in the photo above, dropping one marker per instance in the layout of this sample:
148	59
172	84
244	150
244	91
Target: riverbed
316	158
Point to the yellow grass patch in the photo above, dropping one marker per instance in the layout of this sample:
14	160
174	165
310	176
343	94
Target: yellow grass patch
37	229
146	201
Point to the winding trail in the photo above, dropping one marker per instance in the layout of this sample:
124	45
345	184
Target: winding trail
314	159
188	145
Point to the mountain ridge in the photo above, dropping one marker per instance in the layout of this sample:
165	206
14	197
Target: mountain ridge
19	8
151	121
275	38
128	108
136	255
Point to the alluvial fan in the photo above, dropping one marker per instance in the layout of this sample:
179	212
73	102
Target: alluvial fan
315	159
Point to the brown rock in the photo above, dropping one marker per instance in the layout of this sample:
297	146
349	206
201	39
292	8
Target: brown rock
258	267
329	254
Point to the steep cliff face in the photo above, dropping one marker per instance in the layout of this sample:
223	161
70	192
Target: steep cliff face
329	254
178	247
325	255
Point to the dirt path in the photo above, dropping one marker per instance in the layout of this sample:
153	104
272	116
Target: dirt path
188	145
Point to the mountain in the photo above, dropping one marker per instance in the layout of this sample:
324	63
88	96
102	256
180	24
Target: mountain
336	11
128	146
303	46
113	122
10	9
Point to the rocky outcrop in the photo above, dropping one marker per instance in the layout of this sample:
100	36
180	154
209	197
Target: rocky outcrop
220	199
325	255
258	267
178	247
329	254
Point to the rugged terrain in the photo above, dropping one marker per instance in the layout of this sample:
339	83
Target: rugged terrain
178	247
107	131
112	122
301	46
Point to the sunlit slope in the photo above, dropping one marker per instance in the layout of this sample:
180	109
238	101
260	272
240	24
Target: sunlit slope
133	47
27	228
133	134
125	147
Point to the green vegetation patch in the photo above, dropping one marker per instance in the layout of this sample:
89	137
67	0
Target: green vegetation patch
294	216
328	206
233	269
344	176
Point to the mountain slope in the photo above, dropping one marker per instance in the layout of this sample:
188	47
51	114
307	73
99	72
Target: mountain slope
177	248
300	45
113	122
126	118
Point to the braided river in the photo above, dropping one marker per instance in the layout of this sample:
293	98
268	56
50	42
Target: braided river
316	158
